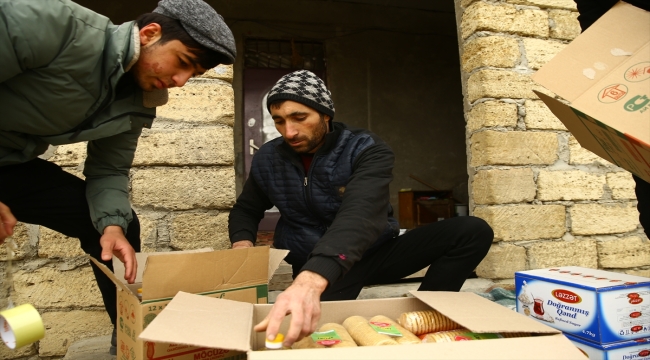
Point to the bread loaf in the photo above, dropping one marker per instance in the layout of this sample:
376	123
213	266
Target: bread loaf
309	343
407	336
363	334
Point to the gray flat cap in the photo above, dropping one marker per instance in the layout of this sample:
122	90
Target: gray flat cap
202	23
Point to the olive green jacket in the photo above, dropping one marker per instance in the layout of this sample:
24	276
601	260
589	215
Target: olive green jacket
59	69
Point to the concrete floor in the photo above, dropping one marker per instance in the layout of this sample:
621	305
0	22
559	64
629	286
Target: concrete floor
97	348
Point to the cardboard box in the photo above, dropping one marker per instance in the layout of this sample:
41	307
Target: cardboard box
605	74
241	275
596	305
625	350
222	324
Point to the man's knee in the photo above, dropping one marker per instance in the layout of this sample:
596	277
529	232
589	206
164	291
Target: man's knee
478	230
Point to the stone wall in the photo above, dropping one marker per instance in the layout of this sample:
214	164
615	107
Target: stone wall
550	202
182	187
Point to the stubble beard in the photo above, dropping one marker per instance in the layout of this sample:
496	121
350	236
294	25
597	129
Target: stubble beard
316	140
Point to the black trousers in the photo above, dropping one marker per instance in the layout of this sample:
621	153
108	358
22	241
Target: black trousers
40	192
451	248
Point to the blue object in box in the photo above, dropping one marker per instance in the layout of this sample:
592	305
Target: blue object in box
638	349
596	305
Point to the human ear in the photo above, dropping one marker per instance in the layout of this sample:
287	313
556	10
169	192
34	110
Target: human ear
150	33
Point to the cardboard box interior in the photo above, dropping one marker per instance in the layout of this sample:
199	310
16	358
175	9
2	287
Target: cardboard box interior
218	323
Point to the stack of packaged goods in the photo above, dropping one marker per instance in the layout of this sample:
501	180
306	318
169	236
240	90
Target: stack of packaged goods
605	314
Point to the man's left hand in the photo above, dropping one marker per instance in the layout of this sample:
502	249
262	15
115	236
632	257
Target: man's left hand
302	301
113	242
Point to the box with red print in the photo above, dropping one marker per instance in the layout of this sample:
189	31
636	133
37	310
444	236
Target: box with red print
595	305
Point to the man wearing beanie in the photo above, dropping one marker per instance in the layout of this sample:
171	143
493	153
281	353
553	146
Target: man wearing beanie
330	184
69	75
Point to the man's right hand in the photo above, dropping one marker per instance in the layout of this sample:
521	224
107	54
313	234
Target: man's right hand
242	244
8	222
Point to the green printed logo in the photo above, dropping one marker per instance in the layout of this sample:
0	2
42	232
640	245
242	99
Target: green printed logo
637	103
327	338
385	328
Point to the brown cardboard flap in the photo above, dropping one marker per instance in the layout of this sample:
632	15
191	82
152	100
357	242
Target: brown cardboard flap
141	258
564	73
203	321
119	283
539	348
575	126
275	258
480	315
166	274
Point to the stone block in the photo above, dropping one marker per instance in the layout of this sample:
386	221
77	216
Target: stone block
593	219
148	233
513	148
496	51
221	72
539	52
546	254
502	261
466	3
502	84
200	230
548	4
503	186
69	154
184	189
539	117
482	16
570	185
622	185
491	114
639	272
581	156
74	171
21	353
627	252
64	328
564	24
200	102
53	244
21	238
524	222
187	147
49	287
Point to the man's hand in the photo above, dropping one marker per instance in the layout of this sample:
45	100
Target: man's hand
113	242
8	222
302	301
242	244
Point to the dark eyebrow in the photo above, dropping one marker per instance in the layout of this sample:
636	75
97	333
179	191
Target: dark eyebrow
298	113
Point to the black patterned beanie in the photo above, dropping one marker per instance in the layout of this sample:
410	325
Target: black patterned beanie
305	87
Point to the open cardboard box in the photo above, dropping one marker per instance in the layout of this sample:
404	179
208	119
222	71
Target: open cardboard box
605	74
226	326
240	275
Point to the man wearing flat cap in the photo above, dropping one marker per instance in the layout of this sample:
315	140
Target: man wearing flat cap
69	75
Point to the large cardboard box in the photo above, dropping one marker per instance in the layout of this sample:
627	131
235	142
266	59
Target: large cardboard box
596	305
605	74
227	325
240	275
625	350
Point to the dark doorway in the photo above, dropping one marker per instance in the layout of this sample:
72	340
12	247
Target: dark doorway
265	62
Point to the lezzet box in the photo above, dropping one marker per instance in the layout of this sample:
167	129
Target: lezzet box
240	275
596	305
638	349
605	74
